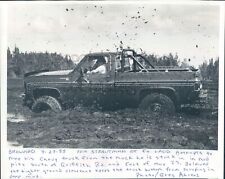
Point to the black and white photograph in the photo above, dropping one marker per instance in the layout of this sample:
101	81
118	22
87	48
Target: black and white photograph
113	75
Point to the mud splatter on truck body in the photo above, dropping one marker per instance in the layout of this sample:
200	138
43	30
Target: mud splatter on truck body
128	80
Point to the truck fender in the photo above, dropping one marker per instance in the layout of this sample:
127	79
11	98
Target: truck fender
43	91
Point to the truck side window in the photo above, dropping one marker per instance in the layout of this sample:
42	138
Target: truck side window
98	64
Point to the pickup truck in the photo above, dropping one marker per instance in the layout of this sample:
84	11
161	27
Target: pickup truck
110	80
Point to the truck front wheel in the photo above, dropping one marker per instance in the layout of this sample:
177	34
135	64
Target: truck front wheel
158	103
45	103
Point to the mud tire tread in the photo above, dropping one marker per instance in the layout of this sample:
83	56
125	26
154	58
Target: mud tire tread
50	101
168	106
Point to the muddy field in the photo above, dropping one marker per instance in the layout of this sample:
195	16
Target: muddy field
126	128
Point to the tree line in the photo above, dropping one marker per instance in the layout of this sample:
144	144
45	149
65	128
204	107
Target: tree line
209	70
19	63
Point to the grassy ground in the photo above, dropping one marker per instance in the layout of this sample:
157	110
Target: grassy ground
90	128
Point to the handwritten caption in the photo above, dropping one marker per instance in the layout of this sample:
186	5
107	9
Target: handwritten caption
102	163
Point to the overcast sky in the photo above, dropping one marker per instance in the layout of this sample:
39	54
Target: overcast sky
191	31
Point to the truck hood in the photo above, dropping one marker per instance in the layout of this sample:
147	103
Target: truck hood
48	73
54	73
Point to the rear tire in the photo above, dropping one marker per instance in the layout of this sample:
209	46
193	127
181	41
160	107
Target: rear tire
158	103
45	103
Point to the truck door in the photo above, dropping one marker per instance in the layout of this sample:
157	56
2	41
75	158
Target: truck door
97	84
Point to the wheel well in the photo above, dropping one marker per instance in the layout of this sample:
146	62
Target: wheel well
46	92
168	92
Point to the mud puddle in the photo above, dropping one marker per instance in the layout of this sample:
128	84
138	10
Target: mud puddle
14	144
16	118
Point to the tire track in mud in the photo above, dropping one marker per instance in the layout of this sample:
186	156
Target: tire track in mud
121	129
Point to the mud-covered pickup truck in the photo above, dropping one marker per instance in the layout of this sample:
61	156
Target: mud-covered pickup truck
112	80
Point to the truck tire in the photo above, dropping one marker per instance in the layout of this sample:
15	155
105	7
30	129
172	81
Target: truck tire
45	103
158	103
